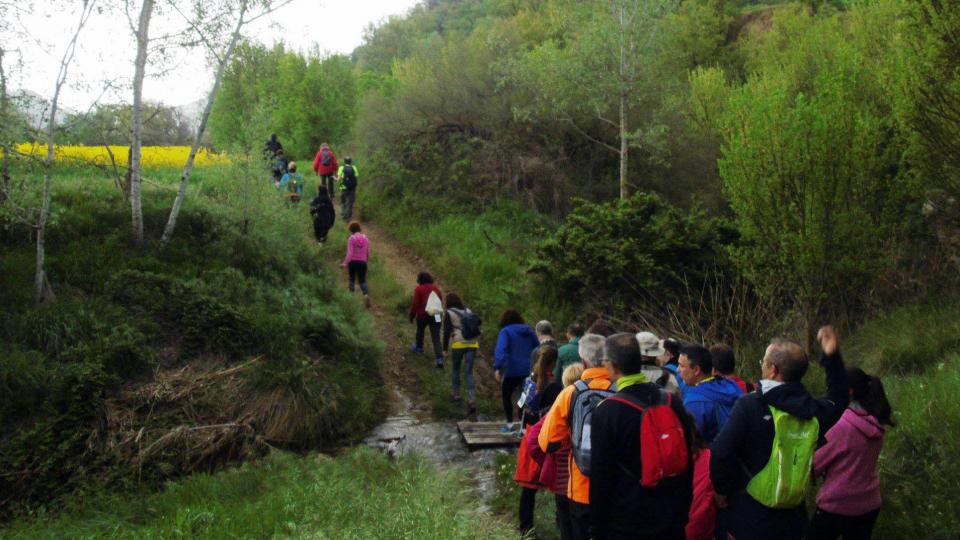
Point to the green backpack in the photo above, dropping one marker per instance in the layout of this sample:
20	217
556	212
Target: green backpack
783	482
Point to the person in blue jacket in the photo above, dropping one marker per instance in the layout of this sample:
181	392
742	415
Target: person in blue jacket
708	398
511	363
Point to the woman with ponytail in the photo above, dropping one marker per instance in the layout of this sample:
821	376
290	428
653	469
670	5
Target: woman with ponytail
849	500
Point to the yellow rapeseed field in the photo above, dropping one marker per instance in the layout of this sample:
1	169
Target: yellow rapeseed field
153	156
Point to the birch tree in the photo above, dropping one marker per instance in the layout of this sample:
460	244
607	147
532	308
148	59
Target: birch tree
40	284
140	65
245	12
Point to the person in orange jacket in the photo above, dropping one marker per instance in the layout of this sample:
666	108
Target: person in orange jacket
325	165
555	434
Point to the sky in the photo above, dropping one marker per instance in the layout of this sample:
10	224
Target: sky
107	47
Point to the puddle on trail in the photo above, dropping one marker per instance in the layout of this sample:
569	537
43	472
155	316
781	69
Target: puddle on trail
439	443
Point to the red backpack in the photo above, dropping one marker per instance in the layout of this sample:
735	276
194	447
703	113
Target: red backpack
664	452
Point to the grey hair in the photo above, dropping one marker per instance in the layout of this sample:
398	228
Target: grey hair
789	357
544	328
591	350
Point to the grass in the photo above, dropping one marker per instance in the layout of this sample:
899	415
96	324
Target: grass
507	501
286	496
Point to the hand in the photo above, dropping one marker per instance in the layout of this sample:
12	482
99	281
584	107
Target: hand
498	376
829	340
720	500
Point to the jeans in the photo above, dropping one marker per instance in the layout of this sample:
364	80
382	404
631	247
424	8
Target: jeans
434	334
507	389
468	356
829	526
327	182
358	272
347	198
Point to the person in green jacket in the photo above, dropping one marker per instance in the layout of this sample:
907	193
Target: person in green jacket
570	352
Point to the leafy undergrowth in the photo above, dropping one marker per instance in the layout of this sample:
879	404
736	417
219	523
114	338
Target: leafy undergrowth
152	362
283	496
507	500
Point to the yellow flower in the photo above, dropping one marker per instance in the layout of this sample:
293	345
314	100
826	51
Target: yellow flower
151	156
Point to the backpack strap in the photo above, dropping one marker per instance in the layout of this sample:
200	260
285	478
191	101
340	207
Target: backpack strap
625	401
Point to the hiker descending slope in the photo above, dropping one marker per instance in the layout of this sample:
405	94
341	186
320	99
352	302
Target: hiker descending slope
461	334
760	462
511	363
358	256
427	309
321	208
641	483
849	500
347	174
325	165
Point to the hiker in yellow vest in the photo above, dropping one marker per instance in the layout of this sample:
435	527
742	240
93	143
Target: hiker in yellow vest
762	458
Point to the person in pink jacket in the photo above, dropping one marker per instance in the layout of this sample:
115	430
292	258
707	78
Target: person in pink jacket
358	255
849	500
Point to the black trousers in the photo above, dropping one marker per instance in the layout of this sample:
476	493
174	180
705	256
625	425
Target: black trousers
579	520
564	522
358	272
828	526
507	389
320	230
347	198
528	502
434	334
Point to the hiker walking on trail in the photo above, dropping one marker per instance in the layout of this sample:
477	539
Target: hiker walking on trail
708	398
511	363
650	349
530	459
427	309
279	167
461	334
321	208
849	500
325	165
358	256
564	427
291	185
641	483
761	461
568	353
347	175
271	148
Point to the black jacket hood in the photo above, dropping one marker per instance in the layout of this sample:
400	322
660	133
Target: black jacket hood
791	398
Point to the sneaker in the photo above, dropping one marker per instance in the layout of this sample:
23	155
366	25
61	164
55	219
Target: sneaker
455	398
366	300
440	363
415	349
472	409
507	428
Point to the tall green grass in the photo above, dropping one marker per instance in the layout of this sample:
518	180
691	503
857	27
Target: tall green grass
358	495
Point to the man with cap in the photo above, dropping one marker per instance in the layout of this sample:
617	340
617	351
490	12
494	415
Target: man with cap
650	349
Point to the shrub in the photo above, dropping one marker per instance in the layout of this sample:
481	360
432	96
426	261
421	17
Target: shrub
641	248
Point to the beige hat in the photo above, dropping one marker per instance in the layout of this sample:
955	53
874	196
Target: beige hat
650	344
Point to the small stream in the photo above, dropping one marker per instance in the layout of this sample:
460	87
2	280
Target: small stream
438	442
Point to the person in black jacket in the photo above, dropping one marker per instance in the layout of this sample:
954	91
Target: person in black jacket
743	447
620	507
321	208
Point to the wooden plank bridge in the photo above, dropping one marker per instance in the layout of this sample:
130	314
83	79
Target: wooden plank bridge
486	435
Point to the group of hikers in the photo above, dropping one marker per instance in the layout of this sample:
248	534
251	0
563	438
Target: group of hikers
640	437
333	175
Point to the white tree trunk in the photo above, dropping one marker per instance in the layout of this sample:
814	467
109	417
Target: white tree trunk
201	128
140	64
624	149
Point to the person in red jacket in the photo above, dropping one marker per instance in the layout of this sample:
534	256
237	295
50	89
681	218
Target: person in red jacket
325	165
418	312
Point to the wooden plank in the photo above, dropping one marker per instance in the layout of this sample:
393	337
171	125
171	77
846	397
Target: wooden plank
486	434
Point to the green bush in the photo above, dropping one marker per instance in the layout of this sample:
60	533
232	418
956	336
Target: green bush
621	252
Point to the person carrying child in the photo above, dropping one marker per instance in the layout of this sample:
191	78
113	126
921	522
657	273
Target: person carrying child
321	208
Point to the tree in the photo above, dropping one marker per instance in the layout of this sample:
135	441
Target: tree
142	33
606	69
40	284
243	18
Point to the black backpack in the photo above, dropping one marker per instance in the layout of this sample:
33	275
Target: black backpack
349	178
469	323
326	157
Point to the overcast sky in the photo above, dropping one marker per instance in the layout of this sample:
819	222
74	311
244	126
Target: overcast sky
107	47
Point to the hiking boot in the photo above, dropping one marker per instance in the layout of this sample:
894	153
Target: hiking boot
366	300
439	362
472	409
416	350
